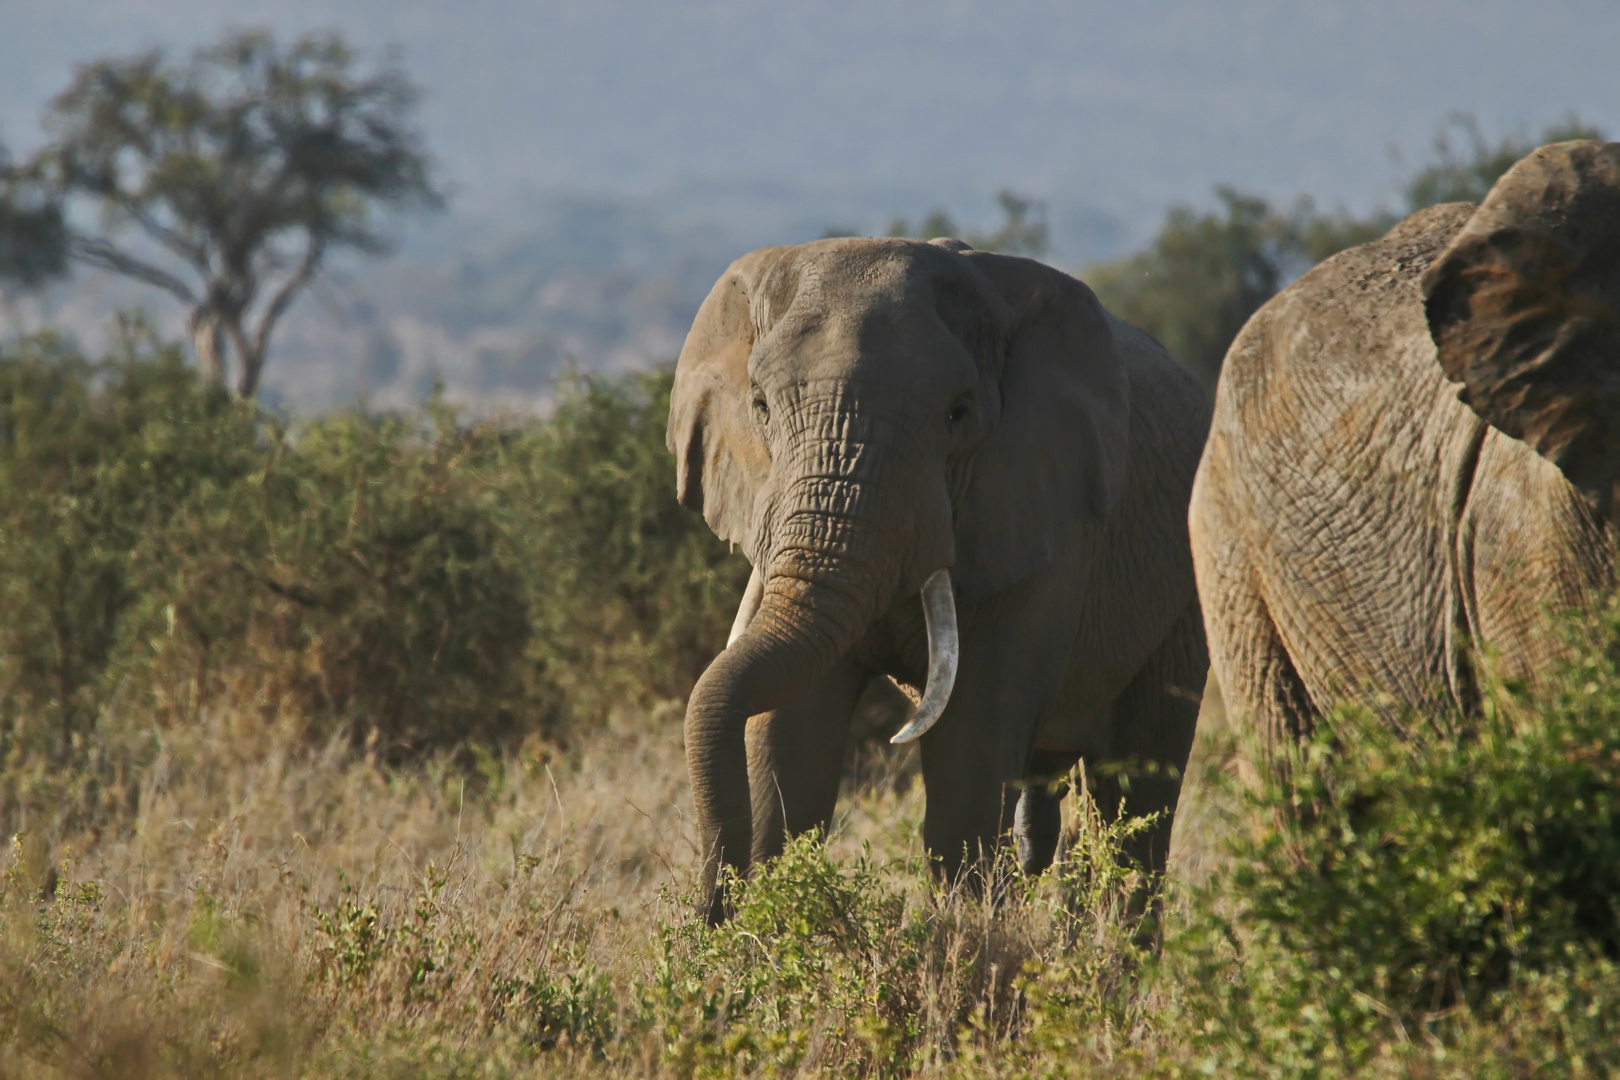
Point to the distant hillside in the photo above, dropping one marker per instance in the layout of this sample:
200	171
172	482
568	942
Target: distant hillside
494	305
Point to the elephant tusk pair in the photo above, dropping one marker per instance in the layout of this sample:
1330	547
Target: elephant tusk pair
944	646
944	650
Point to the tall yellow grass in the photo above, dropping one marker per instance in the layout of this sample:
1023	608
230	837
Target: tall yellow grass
272	909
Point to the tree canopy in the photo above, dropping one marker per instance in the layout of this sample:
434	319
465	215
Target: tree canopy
1023	229
227	180
1465	175
1204	274
33	237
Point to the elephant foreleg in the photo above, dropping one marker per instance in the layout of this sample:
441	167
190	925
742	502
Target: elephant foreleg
1259	682
796	759
1014	657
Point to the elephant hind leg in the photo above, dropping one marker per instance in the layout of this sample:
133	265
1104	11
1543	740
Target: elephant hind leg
1038	819
1151	734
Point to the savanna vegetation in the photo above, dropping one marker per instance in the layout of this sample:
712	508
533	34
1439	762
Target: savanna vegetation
351	747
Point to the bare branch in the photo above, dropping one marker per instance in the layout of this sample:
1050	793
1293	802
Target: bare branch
188	250
103	254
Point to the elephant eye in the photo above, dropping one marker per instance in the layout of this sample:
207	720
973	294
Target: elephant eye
761	408
959	412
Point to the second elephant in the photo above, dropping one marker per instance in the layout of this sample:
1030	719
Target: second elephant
1415	451
886	427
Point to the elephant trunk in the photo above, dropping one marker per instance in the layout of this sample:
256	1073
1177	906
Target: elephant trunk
794	637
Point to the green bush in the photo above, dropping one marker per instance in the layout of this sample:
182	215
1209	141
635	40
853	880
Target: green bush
165	550
353	578
820	970
630	596
94	460
1453	886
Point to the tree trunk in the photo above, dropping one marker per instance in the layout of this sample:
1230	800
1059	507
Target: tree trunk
250	358
208	339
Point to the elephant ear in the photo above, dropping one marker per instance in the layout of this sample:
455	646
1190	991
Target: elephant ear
1524	310
1056	455
720	460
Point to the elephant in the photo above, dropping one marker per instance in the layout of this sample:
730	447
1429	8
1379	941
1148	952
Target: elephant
954	469
1413	457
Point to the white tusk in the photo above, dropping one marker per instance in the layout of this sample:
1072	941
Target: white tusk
748	608
944	649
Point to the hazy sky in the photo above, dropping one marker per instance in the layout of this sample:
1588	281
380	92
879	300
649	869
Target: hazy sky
1122	107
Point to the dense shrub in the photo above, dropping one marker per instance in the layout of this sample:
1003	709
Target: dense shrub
354	577
1454	885
94	460
164	549
820	970
630	596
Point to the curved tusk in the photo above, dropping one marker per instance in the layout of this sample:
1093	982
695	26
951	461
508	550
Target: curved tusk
748	608
944	649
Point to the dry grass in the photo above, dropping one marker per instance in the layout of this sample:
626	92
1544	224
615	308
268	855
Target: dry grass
253	905
276	910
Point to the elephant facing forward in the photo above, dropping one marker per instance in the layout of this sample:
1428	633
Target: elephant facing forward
954	469
1415	450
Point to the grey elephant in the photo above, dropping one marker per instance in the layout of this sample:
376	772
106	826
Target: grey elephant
1414	452
954	469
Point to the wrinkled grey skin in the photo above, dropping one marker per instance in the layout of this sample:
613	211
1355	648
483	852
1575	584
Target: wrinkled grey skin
1415	448
857	414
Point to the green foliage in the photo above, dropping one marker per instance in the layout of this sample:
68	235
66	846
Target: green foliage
353	577
572	1009
93	457
1201	278
819	971
165	549
1443	887
1467	175
33	233
1082	998
1203	275
630	596
1023	229
245	168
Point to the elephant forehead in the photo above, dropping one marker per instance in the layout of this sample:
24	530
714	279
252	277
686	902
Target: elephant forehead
855	274
855	306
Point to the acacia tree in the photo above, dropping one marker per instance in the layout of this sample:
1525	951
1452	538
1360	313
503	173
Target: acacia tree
229	179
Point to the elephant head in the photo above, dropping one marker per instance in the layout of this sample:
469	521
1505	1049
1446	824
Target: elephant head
1524	308
859	416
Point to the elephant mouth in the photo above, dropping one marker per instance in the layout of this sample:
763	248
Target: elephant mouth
944	647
